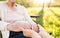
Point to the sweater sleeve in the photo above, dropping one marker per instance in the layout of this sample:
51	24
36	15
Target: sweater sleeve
2	23
27	17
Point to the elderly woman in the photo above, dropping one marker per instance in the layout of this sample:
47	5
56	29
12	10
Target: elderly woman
16	23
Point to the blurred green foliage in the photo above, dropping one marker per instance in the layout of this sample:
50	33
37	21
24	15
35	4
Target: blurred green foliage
51	20
40	19
24	2
2	0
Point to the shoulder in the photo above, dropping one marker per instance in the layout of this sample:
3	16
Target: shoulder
21	7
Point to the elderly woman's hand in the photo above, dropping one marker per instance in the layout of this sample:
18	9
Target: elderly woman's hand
35	27
27	25
23	24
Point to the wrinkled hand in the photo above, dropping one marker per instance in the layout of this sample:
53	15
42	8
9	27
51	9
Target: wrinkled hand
35	28
23	24
27	25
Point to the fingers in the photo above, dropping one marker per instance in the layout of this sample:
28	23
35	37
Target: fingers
35	28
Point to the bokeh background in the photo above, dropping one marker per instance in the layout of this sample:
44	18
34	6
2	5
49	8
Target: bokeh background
44	12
